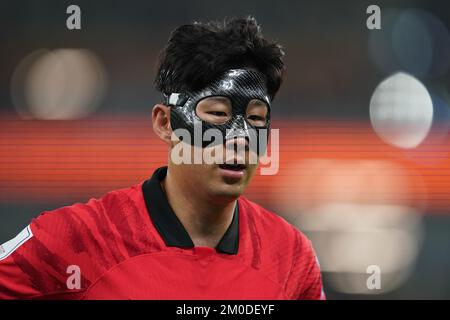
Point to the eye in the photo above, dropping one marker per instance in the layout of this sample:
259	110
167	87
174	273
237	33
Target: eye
256	118
257	113
215	109
218	113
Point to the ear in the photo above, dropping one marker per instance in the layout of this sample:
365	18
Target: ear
161	122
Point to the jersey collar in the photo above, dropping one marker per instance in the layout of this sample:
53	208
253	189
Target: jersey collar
169	226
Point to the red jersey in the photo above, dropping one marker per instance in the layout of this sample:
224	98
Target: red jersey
129	244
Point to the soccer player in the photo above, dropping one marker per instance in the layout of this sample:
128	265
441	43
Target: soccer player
186	232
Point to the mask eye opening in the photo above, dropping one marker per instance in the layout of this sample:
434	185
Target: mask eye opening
257	113
215	110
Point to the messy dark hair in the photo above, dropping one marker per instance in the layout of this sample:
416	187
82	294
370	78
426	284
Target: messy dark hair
198	53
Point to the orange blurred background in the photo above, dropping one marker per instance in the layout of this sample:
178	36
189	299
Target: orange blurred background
47	161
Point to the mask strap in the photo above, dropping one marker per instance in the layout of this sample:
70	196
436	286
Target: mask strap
175	99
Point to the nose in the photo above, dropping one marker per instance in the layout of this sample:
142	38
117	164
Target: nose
237	143
238	128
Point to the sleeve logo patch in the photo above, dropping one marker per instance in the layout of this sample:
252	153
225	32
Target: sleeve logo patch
12	245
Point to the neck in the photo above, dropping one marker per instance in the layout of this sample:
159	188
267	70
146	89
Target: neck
206	221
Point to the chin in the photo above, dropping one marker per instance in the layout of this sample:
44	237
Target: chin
228	192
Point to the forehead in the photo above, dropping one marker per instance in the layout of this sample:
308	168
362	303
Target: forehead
241	79
239	85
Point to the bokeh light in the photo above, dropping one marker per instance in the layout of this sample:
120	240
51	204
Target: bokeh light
61	84
401	111
359	213
412	40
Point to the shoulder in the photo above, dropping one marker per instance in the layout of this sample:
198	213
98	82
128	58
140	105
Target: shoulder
95	229
272	223
84	215
81	237
286	254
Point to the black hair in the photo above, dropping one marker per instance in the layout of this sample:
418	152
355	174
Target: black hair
198	53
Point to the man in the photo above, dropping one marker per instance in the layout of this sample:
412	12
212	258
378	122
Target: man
185	233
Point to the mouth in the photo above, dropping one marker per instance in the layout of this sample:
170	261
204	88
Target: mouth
233	167
232	173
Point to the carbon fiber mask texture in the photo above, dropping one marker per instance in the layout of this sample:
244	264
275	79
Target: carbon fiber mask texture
240	86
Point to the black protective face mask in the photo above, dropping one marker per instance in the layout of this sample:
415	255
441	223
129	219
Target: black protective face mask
240	86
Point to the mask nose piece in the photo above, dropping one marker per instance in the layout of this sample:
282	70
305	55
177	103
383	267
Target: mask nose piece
238	128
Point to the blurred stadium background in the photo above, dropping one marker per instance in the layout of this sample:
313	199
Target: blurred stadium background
363	118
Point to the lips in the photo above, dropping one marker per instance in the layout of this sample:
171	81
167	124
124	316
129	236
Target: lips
233	167
232	173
